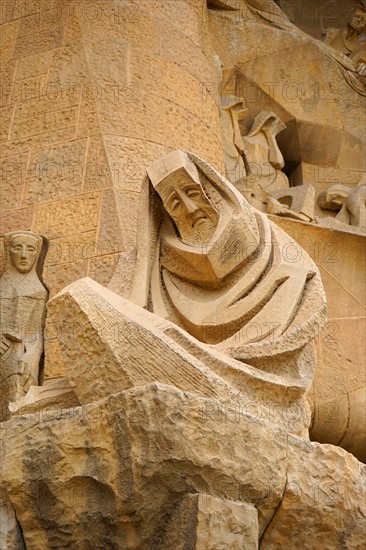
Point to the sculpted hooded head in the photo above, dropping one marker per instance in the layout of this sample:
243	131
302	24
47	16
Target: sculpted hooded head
23	250
208	229
187	204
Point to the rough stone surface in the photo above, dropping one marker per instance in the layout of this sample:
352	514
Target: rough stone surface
173	402
328	493
203	522
112	473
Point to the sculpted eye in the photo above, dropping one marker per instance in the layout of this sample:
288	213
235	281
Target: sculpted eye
193	193
31	249
16	247
174	205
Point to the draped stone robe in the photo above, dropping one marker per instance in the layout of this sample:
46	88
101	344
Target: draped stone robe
22	303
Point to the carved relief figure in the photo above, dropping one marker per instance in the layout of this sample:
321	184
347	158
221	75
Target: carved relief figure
23	300
232	111
349	203
267	187
219	265
263	154
219	269
351	41
226	286
222	301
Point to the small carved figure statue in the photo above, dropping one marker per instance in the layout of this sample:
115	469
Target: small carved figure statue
351	40
262	153
23	301
349	203
267	187
232	111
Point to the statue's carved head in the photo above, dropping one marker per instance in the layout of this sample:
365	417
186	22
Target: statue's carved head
186	202
270	125
358	19
334	197
24	249
208	229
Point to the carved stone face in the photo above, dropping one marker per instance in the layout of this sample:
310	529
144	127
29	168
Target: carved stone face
23	253
358	20
190	209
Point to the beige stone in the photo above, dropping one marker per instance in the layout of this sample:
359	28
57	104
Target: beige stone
349	203
88	121
110	238
86	312
16	220
143	122
167	401
94	83
100	24
200	258
10	532
113	340
68	64
67	216
187	16
101	269
71	248
25	89
262	153
23	300
326	479
347	40
30	66
53	394
233	110
44	139
7	73
302	75
172	444
37	43
299	200
12	180
143	418
203	522
340	257
99	174
6	114
179	49
58	276
8	39
56	99
166	79
41	17
55	172
49	122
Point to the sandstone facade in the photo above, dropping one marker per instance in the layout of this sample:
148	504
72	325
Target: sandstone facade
182	205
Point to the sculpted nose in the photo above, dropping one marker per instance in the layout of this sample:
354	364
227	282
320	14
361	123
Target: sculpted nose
23	252
190	205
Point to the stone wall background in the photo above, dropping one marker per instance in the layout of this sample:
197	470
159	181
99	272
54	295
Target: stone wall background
92	92
337	395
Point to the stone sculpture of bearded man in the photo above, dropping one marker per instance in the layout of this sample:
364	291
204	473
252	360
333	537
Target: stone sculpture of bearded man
221	269
222	302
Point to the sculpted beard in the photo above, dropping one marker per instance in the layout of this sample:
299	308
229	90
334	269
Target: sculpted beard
200	227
